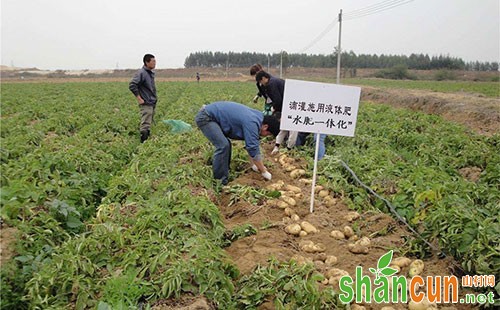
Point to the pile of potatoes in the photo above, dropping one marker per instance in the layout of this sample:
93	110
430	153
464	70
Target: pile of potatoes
303	229
288	164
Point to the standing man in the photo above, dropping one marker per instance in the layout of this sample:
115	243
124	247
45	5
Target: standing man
144	89
223	120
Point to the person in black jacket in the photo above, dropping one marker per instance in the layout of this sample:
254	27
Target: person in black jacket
274	87
275	90
254	69
143	87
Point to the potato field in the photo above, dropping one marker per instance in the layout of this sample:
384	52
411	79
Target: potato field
93	219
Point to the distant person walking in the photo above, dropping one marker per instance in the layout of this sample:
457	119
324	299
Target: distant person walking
223	120
143	87
197	77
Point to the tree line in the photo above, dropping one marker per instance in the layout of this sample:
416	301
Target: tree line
348	59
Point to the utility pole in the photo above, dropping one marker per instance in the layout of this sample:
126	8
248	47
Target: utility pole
281	65
339	50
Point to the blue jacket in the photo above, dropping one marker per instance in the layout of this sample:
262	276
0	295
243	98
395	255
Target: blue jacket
143	83
275	90
238	122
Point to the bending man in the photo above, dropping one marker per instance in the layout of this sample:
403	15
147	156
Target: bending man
223	120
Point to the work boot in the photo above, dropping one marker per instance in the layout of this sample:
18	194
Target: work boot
144	136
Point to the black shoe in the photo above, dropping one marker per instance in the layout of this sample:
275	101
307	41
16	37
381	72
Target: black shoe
144	136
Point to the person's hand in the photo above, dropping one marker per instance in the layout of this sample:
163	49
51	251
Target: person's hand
140	100
255	99
275	150
267	175
254	168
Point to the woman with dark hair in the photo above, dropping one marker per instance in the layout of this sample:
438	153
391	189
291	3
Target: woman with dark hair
256	68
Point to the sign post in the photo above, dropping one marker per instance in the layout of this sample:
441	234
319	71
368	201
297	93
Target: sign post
319	108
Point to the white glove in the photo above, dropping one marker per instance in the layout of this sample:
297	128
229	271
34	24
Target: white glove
255	99
267	175
254	168
275	150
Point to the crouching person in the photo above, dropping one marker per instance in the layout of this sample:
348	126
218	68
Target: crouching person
222	121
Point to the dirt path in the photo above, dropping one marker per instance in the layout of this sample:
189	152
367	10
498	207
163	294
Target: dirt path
480	114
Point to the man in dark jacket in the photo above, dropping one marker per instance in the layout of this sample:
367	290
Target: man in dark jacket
143	87
275	89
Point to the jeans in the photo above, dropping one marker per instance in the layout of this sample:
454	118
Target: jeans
301	140
222	154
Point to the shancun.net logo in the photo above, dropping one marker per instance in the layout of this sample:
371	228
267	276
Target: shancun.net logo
387	287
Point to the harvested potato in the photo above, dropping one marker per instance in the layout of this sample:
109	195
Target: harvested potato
306	181
354	238
289	200
348	232
292	188
285	160
289	168
330	260
334	280
395	267
323	193
320	256
357	249
293	229
401	262
318	188
311	247
329	201
295	217
301	260
365	241
308	227
416	268
276	186
297	173
337	234
425	304
289	211
333	272
282	205
357	307
319	265
302	233
351	216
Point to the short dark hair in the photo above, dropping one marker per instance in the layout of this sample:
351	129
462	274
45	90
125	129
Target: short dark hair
147	58
255	68
260	75
273	124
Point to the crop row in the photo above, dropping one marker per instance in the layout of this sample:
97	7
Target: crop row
107	222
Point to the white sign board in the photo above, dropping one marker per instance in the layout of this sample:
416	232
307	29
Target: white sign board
320	108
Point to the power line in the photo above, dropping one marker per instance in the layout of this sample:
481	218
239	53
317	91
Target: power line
320	36
385	7
366	11
372	7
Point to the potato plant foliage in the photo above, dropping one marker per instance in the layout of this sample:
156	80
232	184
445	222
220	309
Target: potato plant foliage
106	222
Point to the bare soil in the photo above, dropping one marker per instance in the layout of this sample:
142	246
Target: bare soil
479	114
8	236
271	239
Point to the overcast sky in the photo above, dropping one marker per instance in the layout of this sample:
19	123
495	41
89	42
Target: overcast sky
106	34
